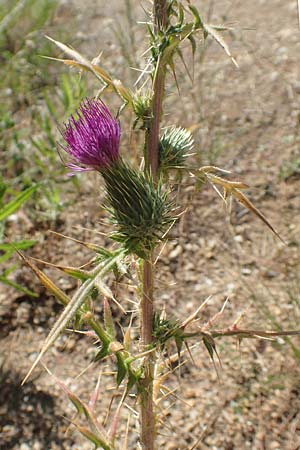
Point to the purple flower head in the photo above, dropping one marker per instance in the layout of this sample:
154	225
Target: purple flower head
92	138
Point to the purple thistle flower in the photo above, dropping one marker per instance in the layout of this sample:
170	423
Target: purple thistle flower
93	138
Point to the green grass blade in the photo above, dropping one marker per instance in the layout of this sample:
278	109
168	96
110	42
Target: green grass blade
21	245
16	203
17	286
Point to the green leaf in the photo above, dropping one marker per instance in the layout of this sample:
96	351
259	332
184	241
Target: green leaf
122	368
17	286
210	347
92	437
133	378
16	203
6	256
21	245
104	351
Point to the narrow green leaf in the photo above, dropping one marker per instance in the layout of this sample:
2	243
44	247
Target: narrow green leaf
15	204
21	245
17	286
104	351
93	437
198	20
6	256
122	369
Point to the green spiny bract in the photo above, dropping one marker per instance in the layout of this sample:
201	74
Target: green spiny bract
140	210
142	109
174	147
165	329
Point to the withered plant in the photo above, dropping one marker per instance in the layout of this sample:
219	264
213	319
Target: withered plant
142	208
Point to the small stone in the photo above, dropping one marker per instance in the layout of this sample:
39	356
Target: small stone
175	252
246	271
24	446
238	238
274	445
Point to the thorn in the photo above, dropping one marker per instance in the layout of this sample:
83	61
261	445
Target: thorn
194	315
95	394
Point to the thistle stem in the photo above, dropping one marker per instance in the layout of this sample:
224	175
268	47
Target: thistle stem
152	139
147	410
147	302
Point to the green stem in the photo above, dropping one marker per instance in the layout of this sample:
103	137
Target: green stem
154	126
98	329
147	303
146	383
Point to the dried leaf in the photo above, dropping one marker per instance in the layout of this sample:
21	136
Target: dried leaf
211	30
81	62
46	281
248	204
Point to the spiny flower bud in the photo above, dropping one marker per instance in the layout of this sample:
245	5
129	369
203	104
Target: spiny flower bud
140	210
174	147
92	138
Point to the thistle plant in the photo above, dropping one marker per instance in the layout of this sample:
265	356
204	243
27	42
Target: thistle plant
141	208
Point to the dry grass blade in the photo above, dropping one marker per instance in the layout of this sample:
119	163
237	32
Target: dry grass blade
88	245
233	188
227	184
249	205
55	290
81	62
69	270
125	443
254	334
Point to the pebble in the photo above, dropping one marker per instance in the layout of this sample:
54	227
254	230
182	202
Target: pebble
176	252
274	445
25	447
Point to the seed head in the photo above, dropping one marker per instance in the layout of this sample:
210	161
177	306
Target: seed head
92	137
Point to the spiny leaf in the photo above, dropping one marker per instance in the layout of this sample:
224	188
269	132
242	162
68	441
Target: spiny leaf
92	437
72	307
104	351
127	340
198	20
174	42
95	433
212	350
227	184
79	405
210	347
133	378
